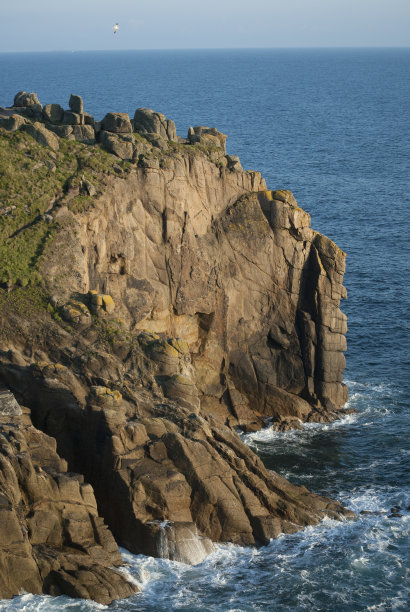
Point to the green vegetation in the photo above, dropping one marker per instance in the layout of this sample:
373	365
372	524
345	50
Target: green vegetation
33	179
111	331
23	300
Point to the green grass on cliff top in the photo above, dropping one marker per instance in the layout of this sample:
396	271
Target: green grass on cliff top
32	178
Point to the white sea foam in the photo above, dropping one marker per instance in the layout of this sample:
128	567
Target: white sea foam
269	434
369	550
364	398
243	579
44	603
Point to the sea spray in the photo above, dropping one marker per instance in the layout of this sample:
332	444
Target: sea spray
182	542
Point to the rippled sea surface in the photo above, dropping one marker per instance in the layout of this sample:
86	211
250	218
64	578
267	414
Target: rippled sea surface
332	126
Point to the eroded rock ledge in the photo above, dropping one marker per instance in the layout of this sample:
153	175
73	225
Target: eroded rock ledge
180	301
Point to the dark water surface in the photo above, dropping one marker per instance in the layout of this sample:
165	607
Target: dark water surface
332	126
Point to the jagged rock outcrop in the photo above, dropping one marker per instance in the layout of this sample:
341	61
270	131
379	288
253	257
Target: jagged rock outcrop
27	104
52	539
114	132
168	480
184	300
148	122
207	136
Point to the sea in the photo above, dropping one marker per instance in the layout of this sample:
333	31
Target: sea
333	126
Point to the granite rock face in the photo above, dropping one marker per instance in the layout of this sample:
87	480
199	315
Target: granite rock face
169	480
188	301
233	270
52	539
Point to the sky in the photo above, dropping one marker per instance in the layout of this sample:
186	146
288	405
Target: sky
73	25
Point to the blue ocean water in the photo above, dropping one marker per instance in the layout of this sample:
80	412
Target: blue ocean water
333	126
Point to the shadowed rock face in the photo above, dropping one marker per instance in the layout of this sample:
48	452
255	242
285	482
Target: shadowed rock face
168	481
194	301
51	537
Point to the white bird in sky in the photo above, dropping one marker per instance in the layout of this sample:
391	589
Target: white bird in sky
115	28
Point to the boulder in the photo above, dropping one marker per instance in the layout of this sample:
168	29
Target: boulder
63	131
84	133
72	118
54	113
100	301
27	104
42	135
118	123
147	121
87	187
11	123
76	312
22	98
76	104
119	145
88	119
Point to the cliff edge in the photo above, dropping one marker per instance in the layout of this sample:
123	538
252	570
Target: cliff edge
156	298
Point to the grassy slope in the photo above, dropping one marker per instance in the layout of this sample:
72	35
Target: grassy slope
32	178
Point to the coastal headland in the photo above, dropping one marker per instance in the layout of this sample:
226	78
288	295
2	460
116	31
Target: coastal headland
155	299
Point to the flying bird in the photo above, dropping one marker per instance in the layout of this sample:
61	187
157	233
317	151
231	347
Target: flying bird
115	28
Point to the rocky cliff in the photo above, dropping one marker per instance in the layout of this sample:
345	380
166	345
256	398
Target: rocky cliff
157	297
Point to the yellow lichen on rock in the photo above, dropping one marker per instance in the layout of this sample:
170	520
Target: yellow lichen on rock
75	312
180	345
106	395
284	195
101	301
108	303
